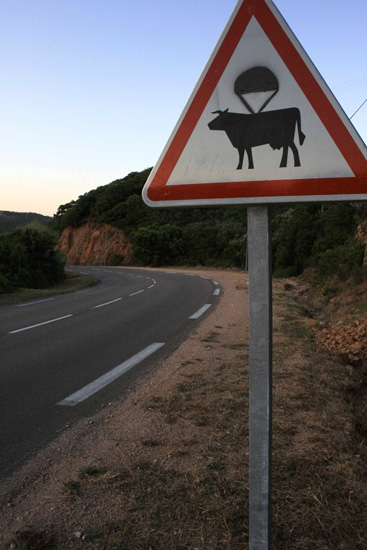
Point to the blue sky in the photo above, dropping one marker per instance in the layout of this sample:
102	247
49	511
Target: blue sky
91	89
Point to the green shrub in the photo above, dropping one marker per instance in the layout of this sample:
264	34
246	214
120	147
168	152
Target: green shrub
156	245
314	235
4	284
28	257
343	261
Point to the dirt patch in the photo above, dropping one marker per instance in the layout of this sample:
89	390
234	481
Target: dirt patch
167	466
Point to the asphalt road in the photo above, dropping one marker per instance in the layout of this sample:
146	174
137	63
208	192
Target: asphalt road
64	357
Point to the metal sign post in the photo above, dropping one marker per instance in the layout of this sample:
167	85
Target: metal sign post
260	360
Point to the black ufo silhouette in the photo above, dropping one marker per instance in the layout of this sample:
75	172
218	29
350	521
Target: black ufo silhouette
257	79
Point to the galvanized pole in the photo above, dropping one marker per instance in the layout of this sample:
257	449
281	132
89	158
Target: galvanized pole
260	298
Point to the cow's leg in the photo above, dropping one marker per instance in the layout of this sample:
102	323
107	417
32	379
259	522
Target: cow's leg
283	162
241	153
249	156
297	162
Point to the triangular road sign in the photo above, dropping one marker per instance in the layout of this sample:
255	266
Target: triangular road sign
260	127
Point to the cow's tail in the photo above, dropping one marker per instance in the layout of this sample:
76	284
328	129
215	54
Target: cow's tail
301	135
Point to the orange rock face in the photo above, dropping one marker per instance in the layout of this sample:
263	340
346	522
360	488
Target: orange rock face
90	244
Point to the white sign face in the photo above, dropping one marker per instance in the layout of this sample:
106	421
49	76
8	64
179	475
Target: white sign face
209	154
260	127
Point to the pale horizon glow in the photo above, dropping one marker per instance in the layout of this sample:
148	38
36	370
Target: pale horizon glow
92	90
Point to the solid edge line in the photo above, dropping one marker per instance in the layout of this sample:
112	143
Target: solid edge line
200	311
36	302
110	376
40	324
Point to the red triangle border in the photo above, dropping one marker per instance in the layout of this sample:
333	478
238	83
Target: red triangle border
158	189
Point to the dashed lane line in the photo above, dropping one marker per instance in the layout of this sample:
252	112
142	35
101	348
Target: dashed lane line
216	292
138	292
107	303
110	376
40	324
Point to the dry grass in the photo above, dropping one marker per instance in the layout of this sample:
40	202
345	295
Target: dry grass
319	459
29	539
73	282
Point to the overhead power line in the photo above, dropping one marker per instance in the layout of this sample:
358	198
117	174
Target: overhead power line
350	84
360	107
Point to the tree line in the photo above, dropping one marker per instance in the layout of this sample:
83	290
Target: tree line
319	236
304	235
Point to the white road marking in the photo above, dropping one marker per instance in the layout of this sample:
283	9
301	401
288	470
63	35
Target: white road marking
110	376
151	286
40	324
200	311
107	303
215	282
37	302
139	291
216	292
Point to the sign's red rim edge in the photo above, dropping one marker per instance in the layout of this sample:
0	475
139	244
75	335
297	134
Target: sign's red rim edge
268	188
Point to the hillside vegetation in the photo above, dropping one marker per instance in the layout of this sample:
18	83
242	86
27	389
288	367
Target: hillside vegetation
12	220
305	235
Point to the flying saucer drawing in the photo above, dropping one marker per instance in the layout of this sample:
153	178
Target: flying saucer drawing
256	87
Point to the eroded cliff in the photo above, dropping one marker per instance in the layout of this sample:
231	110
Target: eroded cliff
90	244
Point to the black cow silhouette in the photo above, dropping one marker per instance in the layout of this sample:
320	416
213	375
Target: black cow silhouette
276	128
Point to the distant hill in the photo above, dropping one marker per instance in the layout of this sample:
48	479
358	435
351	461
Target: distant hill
12	220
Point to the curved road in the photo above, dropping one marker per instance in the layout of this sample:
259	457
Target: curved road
62	358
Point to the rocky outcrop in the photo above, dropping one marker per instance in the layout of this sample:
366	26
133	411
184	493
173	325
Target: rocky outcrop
348	340
90	244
